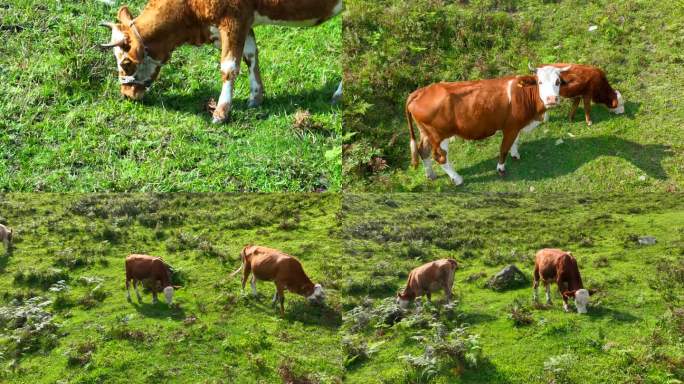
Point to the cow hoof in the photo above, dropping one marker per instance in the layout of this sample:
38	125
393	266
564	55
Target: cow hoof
431	176
458	181
502	173
253	103
515	157
589	123
217	120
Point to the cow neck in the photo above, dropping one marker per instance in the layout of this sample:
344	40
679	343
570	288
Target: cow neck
305	289
159	39
532	99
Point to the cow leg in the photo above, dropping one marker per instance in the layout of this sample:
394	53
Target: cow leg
575	104
253	284
424	149
251	56
587	109
514	148
535	284
446	166
247	268
548	293
154	296
275	297
337	96
135	288
128	290
233	32
508	139
428	294
280	292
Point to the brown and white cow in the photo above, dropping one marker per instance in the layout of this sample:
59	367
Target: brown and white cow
6	235
285	271
589	84
144	267
428	278
144	43
560	266
475	110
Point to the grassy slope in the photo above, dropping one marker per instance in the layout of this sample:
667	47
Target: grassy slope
65	126
627	311
395	47
234	336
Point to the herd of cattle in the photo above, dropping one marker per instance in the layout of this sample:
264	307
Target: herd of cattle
475	110
287	273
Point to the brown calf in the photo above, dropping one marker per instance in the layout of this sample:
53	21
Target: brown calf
154	269
589	84
285	271
555	265
474	110
6	235
428	278
144	43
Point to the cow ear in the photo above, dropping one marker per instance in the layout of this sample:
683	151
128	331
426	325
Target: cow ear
592	291
568	294
124	15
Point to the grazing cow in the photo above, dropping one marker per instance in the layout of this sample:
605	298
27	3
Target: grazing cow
144	43
589	84
285	271
6	234
475	110
154	269
560	266
428	278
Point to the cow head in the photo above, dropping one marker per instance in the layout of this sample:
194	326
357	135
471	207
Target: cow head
403	299
137	68
168	295
581	299
549	81
318	295
617	105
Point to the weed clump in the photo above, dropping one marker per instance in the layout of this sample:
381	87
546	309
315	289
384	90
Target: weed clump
520	314
29	327
81	354
558	368
40	278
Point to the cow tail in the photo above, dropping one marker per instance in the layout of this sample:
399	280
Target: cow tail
412	135
242	258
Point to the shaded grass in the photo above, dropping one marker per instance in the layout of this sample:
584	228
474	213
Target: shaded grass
393	48
631	332
67	129
213	331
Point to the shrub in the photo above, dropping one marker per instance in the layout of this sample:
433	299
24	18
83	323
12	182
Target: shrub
29	327
558	368
40	278
520	313
81	354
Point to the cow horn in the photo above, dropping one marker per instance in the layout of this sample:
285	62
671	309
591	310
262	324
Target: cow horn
112	43
532	69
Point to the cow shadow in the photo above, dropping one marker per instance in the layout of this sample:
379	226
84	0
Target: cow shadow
315	101
599	113
5	257
159	310
477	317
297	310
601	312
543	158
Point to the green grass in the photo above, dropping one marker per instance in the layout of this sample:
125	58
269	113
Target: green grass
629	335
394	47
66	128
215	333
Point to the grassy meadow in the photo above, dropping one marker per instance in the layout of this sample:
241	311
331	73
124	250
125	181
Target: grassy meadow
83	330
65	126
633	332
394	47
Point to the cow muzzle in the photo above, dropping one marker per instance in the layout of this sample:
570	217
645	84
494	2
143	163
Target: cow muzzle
551	101
133	91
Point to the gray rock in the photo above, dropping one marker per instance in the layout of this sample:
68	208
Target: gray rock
508	278
647	240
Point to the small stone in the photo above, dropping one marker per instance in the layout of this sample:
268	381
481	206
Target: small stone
532	189
592	28
559	141
647	240
642	178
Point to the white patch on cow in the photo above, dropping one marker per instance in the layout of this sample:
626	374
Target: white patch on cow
168	295
215	36
581	300
429	172
228	66
548	294
338	8
455	177
252	283
226	96
338	93
318	295
531	126
250	51
621	105
275	297
514	147
501	167
535	295
402	303
509	91
135	287
565	307
548	80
